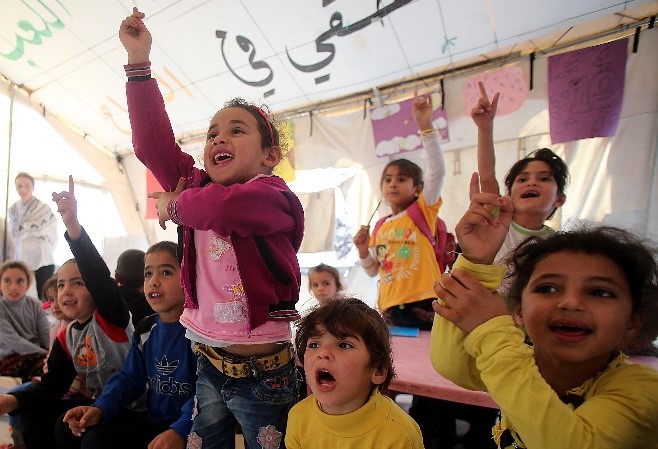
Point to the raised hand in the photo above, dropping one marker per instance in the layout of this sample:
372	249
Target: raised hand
135	37
164	198
483	228
67	206
421	110
81	417
484	111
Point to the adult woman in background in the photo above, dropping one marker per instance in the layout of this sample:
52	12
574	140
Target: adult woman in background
33	227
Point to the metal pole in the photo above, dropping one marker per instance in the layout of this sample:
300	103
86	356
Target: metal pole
9	143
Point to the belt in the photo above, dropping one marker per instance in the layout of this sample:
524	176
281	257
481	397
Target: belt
239	367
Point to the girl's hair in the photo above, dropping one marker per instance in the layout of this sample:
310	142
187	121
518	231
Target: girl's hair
18	264
26	176
406	168
626	250
166	247
50	283
346	316
324	268
269	135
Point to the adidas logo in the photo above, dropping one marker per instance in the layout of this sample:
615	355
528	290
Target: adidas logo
164	367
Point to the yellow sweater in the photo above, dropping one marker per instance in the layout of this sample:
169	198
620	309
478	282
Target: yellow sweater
620	408
380	424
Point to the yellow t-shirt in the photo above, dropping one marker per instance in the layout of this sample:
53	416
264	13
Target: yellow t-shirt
407	265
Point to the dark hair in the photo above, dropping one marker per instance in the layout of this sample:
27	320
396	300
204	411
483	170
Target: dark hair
24	175
19	265
346	316
406	168
559	170
130	268
269	135
50	283
626	250
166	247
324	268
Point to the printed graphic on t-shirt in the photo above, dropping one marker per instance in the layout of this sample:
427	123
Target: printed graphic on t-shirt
87	357
400	257
219	246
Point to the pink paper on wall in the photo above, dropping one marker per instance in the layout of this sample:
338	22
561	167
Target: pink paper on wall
509	81
396	131
585	91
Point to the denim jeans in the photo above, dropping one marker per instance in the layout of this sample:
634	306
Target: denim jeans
260	403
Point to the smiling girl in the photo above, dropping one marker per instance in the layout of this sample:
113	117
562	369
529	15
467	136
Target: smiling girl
577	297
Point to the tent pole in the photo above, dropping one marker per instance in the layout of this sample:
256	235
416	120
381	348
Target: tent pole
649	222
9	144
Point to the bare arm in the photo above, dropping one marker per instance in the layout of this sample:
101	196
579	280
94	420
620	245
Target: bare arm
483	115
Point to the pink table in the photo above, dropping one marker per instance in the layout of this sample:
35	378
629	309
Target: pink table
416	375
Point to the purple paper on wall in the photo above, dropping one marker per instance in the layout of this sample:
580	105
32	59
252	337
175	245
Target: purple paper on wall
396	131
585	91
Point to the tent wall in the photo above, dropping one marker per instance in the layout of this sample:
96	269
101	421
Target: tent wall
613	180
115	179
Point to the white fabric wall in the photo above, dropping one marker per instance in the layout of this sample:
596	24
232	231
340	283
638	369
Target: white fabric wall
613	180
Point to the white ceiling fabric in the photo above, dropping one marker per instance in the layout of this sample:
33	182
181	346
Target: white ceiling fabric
67	56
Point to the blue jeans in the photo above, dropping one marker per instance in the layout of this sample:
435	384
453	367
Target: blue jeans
260	403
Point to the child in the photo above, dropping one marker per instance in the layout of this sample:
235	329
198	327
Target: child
24	326
242	228
90	350
58	322
61	320
536	183
399	252
324	282
160	363
345	347
129	276
579	295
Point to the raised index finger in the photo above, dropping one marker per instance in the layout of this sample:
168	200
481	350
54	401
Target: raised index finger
483	91
474	185
71	185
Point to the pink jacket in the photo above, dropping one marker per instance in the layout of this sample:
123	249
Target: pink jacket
263	218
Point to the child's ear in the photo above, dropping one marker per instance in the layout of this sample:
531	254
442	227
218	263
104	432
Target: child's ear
561	198
634	327
272	156
518	318
379	375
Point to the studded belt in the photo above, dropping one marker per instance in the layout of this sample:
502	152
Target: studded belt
239	367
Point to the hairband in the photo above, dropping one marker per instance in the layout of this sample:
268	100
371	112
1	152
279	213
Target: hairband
267	121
